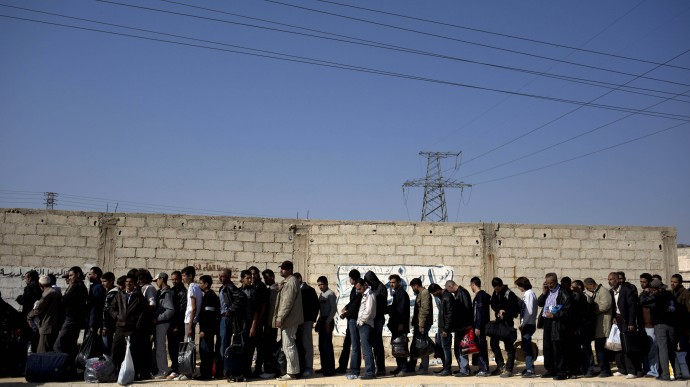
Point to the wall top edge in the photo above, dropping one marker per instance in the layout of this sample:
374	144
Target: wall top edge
319	222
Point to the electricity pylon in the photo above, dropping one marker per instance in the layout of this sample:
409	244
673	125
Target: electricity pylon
50	200
434	208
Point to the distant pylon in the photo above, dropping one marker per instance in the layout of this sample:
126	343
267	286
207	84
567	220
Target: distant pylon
51	200
434	207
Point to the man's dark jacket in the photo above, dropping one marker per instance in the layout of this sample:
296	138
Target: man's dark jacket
74	304
180	305
208	315
129	317
462	311
506	300
627	305
481	305
560	318
399	311
378	289
95	305
446	313
310	302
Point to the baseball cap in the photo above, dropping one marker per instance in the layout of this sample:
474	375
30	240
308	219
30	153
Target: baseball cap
286	265
163	276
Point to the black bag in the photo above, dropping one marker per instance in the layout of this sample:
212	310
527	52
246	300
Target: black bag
400	346
236	347
422	346
499	329
90	348
186	358
635	342
48	367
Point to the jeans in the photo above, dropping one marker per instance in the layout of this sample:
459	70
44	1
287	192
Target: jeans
527	332
365	337
161	350
446	344
356	350
221	345
587	357
108	342
650	362
326	349
483	351
665	338
681	363
463	359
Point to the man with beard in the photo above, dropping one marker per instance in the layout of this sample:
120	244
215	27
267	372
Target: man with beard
481	312
270	334
128	310
49	312
422	318
324	327
74	307
682	296
555	302
32	293
601	308
165	310
625	316
251	321
95	300
262	299
108	324
399	319
353	276
287	317
650	360
506	306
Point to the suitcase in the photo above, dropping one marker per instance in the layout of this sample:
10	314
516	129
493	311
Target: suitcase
48	367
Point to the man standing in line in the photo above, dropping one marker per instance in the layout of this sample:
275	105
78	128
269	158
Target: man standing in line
365	325
506	306
32	293
194	298
108	324
325	325
48	310
262	299
528	323
128	311
225	312
270	333
74	307
353	275
177	328
650	360
165	310
682	296
208	327
462	319
287	317
664	318
625	316
601	303
446	327
481	307
305	339
399	319
351	312
555	303
251	321
379	290
422	318
95	300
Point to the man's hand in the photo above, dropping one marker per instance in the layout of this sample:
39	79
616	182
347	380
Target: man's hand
104	332
549	315
501	313
632	328
444	334
201	335
188	330
279	324
252	331
477	332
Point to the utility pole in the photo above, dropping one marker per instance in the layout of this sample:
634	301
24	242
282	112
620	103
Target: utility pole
434	208
50	199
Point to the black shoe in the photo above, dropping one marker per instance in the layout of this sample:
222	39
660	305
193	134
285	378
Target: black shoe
560	377
605	375
341	370
498	370
329	373
549	375
439	371
319	371
481	374
366	377
381	373
461	374
395	371
444	373
529	374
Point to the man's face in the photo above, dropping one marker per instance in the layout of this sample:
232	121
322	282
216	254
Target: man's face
246	280
474	288
674	283
187	279
159	283
92	276
438	293
621	279
576	288
322	286
360	288
256	277
285	273
269	279
72	277
644	284
352	281
175	279
394	283
223	277
416	289
566	285
498	289
550	283
107	284
613	280
203	285
27	279
130	285
299	280
591	287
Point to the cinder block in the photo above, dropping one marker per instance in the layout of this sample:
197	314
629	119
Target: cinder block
224	256
213	224
581	263
355	239
12	217
205	255
66	251
524	232
515	242
34	239
267	237
7	228
89	231
560	233
225	235
610	254
87	252
366	229
77	220
153	243
570	244
386	229
626	245
593	254
68	230
136	263
5	249
328	229
75	241
581	234
385	250
147	232
213	245
133	221
23	250
464	251
206	234
412	240
185	254
167	232
56	219
551	253
10	260
550	243
157	221
274	227
366	249
424	250
32	261
568	254
173	243
505	232
252	226
608	244
193	244
186	233
24	229
194	224
443	250
326	249
373	239
244	256
46	229
253	247
232	246
429	240
246	236
132	242
407	229
125	252
12	239
272	247
471	241
165	254
546	263
347	249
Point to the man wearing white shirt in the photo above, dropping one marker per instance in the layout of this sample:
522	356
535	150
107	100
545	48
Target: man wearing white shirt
365	324
194	296
528	323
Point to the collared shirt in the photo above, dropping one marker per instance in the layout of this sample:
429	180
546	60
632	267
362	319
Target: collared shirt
223	306
616	292
367	309
194	291
551	300
528	313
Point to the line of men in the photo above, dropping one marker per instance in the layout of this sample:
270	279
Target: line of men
275	320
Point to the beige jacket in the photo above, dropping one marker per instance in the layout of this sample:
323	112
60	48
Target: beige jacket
288	308
602	308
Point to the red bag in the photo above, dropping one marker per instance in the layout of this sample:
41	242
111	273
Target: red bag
469	342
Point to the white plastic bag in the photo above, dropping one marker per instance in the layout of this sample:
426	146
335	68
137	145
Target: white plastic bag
126	375
613	342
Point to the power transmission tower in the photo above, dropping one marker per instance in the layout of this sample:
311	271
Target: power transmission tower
434	208
50	199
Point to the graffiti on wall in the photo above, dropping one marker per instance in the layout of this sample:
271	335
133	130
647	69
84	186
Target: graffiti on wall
428	275
12	279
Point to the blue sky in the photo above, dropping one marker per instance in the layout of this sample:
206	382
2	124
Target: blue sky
103	119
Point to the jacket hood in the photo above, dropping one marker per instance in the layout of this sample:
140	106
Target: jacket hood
371	279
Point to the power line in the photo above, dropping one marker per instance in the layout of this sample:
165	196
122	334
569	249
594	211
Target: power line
322	63
468	42
583	155
552	44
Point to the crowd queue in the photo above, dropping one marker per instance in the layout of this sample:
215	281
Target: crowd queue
260	328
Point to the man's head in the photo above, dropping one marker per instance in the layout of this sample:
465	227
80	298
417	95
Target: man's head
75	275
578	286
416	285
551	281
436	290
121	281
144	276
475	284
108	280
613	280
656	285
566	282
590	284
451	286
31	276
225	276
286	269
246	278
523	284
354	275
395	281
269	277
130	283
621	277
676	281
645	280
162	280
176	278
205	282
322	283
188	274
44	281
497	284
298	277
256	274
95	274
361	285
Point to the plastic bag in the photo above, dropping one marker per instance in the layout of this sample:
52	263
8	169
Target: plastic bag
422	346
468	343
126	375
90	348
613	342
400	347
187	357
100	369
